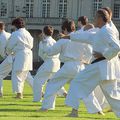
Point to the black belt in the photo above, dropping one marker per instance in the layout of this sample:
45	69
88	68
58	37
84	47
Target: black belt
98	60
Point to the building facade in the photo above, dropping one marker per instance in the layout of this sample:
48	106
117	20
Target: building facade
38	13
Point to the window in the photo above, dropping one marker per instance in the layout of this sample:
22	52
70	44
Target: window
3	8
97	4
116	11
29	8
62	8
46	8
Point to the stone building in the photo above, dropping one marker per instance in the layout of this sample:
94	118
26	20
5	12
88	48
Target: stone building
38	13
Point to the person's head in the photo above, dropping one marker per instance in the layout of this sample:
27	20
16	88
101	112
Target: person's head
56	34
48	30
101	18
82	21
109	11
2	26
88	27
18	23
68	26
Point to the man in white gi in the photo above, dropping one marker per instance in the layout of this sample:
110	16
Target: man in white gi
20	45
50	66
74	56
102	71
103	102
4	36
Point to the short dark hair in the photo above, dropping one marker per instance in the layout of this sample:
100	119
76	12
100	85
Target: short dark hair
108	10
67	25
83	20
18	22
48	30
2	25
103	14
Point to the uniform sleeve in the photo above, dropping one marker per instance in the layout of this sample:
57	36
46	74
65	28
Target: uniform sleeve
3	42
41	52
84	37
12	42
113	46
55	49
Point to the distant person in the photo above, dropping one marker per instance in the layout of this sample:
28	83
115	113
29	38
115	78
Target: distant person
4	37
82	21
50	66
20	46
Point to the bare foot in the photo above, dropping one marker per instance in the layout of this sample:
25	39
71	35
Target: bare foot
65	94
109	110
19	96
74	113
101	113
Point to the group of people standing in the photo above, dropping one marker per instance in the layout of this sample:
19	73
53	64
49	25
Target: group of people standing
90	63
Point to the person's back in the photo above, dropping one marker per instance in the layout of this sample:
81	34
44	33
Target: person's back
22	40
6	64
4	36
44	45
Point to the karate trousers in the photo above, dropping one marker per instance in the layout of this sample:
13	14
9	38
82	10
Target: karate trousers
86	81
64	75
44	74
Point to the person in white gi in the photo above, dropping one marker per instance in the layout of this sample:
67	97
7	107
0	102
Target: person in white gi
4	36
20	45
82	22
50	66
74	56
6	65
101	98
102	71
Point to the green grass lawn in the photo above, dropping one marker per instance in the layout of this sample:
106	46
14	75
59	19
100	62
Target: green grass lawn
25	109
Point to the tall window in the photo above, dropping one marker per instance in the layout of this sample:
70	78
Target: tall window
97	4
3	8
62	8
46	8
29	8
116	11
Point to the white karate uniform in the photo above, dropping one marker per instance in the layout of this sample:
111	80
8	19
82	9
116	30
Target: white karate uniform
74	55
20	45
4	36
102	73
98	92
50	66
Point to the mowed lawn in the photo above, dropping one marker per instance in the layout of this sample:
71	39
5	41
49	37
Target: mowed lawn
25	109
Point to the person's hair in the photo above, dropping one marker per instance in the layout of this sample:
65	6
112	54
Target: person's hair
18	23
88	26
108	10
67	24
48	30
83	20
103	14
2	25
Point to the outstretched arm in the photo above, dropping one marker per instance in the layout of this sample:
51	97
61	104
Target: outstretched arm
84	37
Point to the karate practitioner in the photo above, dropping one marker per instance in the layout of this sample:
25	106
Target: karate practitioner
74	56
82	22
4	36
50	66
20	45
102	71
101	98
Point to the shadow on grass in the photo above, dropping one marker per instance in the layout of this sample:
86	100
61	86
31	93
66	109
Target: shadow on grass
19	105
16	110
48	116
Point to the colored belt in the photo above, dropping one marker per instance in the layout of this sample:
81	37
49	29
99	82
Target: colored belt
98	60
